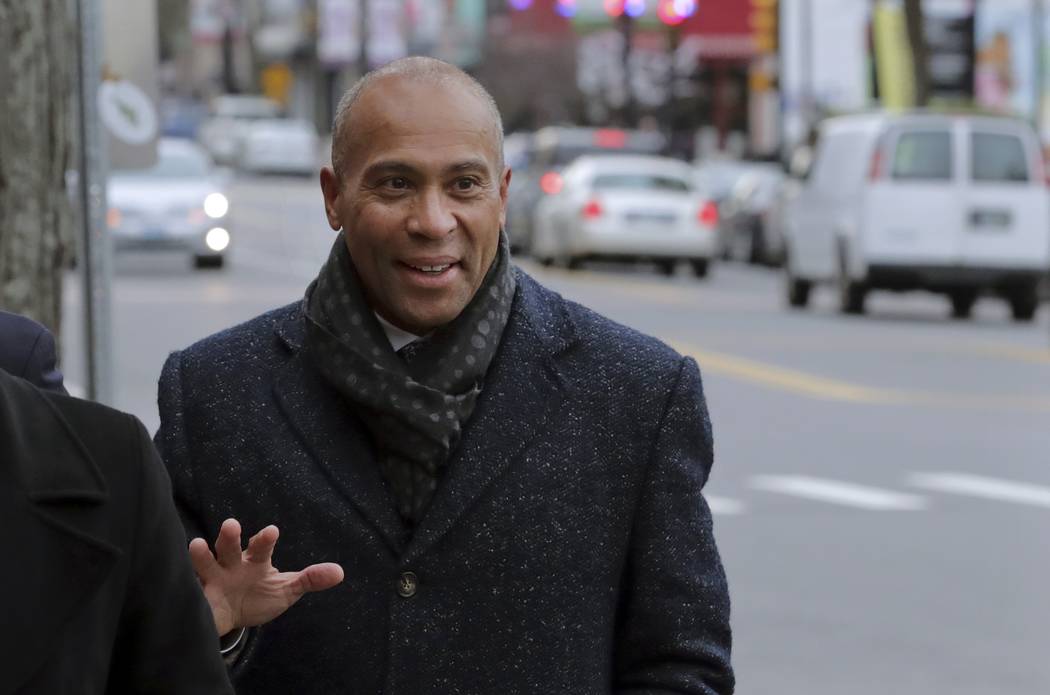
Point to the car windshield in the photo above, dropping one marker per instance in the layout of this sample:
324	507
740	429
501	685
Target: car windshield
639	181
172	164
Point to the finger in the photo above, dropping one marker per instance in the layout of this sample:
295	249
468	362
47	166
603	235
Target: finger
317	577
228	544
202	560
261	545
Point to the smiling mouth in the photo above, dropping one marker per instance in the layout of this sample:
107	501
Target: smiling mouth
432	269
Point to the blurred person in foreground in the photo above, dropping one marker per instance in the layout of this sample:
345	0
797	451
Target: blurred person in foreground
104	596
97	594
27	350
512	482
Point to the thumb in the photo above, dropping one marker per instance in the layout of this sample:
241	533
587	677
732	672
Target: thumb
317	578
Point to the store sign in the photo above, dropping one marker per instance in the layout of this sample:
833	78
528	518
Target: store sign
129	91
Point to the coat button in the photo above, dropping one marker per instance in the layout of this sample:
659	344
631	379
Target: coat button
407	584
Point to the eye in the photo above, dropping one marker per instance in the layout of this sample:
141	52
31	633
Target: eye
466	184
398	183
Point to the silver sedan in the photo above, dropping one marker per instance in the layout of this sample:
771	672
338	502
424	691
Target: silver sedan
179	203
628	208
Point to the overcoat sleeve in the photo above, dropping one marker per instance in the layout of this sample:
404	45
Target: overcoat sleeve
171	442
167	639
674	614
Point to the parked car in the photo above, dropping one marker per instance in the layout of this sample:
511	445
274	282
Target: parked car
223	131
745	230
631	208
951	204
179	203
281	146
552	149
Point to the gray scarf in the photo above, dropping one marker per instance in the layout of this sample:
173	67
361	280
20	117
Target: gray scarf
414	407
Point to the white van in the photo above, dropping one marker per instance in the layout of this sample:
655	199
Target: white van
951	204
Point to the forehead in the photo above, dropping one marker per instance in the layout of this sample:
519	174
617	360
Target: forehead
399	117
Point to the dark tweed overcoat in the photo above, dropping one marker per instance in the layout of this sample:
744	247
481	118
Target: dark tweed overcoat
567	550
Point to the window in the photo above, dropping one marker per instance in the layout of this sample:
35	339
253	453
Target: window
923	156
646	182
997	157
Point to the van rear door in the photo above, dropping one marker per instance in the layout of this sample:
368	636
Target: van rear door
1006	204
913	213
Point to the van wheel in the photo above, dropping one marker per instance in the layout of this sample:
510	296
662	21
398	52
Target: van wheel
700	267
962	302
1024	302
796	290
851	294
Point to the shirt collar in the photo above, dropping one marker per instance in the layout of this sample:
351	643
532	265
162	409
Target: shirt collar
398	337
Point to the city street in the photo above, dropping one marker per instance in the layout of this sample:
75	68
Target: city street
881	487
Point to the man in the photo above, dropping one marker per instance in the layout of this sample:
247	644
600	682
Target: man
27	350
515	494
98	594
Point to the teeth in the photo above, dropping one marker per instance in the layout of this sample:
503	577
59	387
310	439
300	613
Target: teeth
433	268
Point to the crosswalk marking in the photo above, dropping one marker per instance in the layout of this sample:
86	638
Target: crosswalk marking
980	486
724	505
837	492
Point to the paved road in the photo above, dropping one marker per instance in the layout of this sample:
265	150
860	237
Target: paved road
881	487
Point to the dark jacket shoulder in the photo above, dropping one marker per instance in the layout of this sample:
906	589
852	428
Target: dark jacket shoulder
27	350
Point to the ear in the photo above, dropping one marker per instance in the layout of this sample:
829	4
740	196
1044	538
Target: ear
504	186
331	187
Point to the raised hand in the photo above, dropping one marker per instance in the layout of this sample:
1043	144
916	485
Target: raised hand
243	587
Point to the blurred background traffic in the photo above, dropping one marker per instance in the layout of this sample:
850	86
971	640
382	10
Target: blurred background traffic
840	208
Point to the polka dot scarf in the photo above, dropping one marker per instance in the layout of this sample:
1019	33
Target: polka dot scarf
414	405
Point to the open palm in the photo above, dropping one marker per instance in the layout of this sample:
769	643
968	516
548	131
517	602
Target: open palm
243	587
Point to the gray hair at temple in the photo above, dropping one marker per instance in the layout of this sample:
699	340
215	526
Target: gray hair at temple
419	68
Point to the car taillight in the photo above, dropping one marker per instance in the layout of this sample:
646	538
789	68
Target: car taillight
113	218
551	183
592	210
708	214
875	170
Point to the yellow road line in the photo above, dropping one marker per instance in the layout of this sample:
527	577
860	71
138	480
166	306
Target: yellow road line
783	378
824	388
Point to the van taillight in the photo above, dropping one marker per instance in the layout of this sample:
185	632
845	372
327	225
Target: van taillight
592	210
875	172
708	214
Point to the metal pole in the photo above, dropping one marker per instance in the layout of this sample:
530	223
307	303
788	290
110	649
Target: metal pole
96	260
362	55
627	31
1039	76
806	43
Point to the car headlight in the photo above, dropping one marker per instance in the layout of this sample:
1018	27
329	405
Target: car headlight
217	239
216	205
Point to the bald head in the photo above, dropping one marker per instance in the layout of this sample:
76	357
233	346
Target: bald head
430	71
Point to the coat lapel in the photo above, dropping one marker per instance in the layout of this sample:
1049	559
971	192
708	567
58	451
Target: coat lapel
44	497
523	392
334	436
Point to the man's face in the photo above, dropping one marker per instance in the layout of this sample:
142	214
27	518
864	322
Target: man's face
421	200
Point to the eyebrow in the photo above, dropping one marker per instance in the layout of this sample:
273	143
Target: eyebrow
399	167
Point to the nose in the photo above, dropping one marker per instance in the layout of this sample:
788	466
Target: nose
431	216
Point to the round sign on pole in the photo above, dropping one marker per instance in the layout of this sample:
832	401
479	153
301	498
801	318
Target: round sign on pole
127	112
